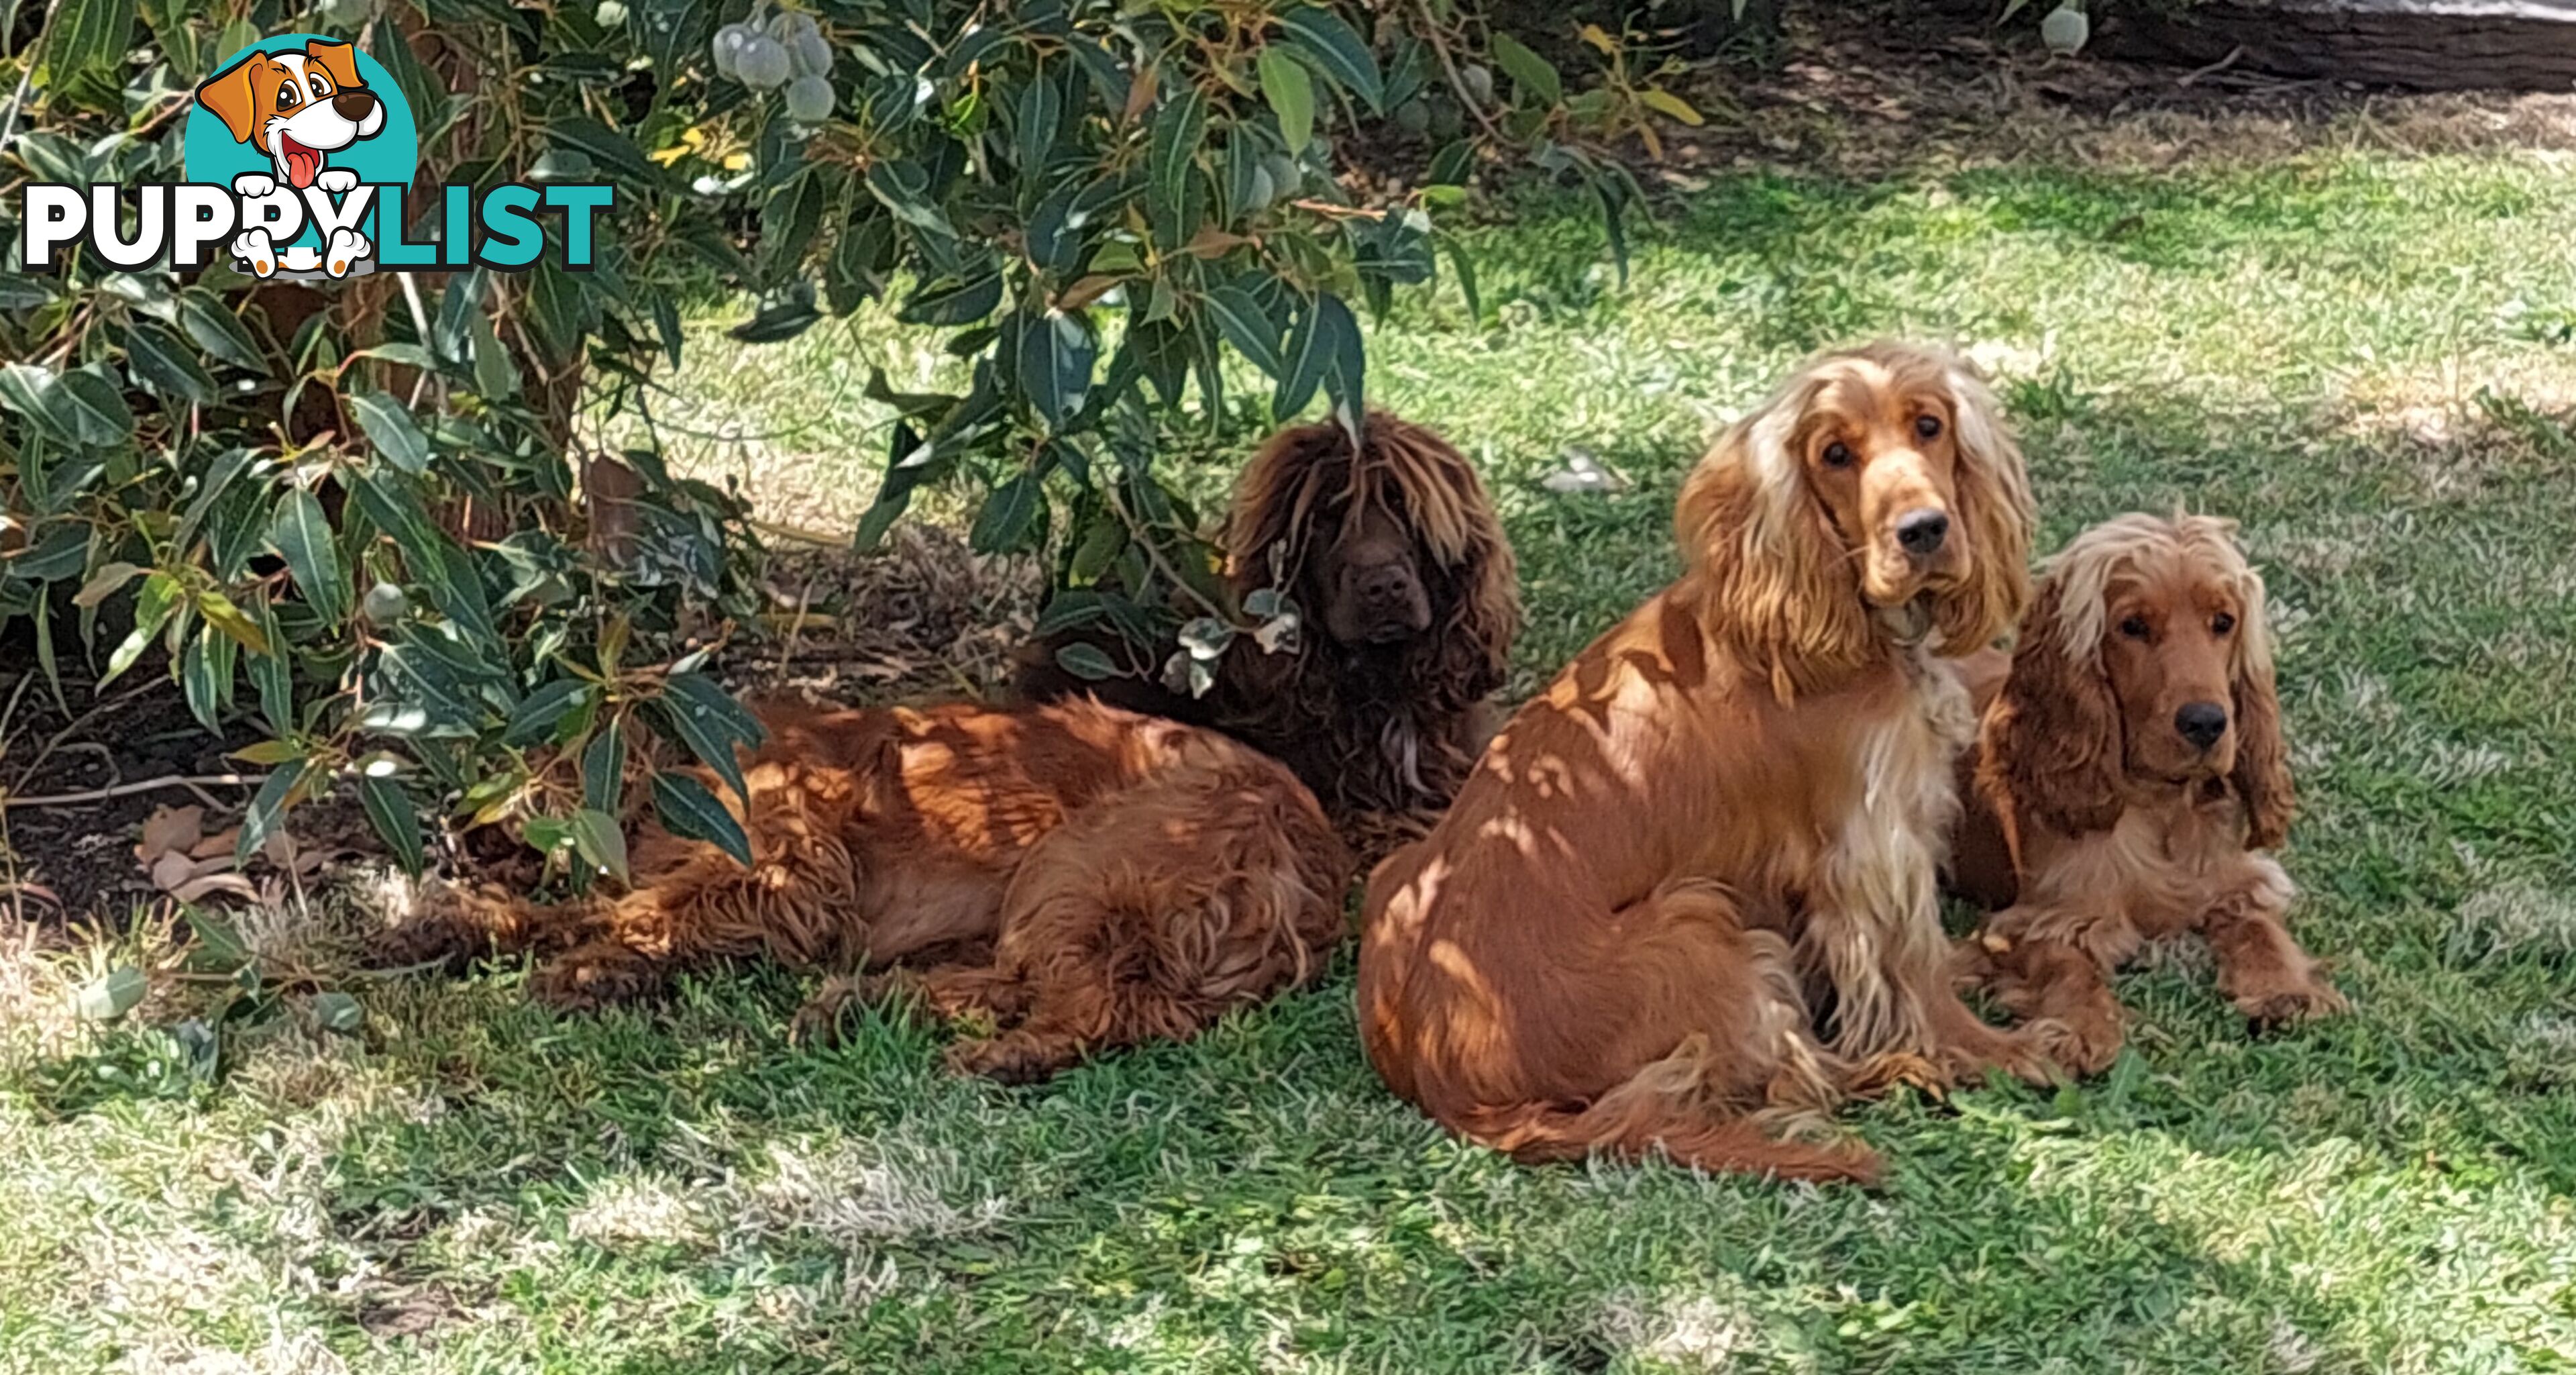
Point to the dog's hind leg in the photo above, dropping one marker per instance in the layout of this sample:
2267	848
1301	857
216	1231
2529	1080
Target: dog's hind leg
1149	915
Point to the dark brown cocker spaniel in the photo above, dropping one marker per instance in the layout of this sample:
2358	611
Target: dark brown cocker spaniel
1392	553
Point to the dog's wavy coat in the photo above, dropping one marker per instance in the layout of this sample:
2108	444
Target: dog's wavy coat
1391	550
1080	876
1689	893
2132	767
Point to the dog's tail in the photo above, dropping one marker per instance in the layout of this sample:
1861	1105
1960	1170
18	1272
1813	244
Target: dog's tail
1638	1126
1668	1107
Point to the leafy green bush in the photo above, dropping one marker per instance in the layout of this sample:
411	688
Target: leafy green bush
360	518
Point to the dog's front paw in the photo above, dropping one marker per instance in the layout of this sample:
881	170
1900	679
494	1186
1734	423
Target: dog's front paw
818	1022
2082	1046
253	249
337	180
595	976
348	247
2273	1008
254	184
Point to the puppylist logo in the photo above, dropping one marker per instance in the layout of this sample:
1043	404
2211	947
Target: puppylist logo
298	156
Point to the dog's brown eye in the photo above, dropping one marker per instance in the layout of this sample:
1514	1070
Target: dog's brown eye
1838	455
288	93
1928	426
319	90
2135	627
2222	623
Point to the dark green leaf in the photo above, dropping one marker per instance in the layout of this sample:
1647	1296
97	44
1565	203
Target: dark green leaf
1464	268
1056	356
1529	71
267	812
1338	50
390	426
198	664
160	361
1040	113
1344	380
709	722
1171	166
271	673
603	768
1010	513
781	319
1086	661
1303	365
218	331
38	394
688	810
610	149
159	599
541	713
953	302
1246	326
389	810
1291	94
86	40
596	838
905	189
301	534
226	466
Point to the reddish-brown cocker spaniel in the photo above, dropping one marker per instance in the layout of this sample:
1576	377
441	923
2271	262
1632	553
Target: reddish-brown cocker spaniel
1392	554
2131	767
1690	890
1080	876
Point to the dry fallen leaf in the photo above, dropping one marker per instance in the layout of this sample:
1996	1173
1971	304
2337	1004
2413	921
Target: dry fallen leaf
220	843
169	829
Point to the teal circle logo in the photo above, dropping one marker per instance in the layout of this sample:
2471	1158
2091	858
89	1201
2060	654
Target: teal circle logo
302	110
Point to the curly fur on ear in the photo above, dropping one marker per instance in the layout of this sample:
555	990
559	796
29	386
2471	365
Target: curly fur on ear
2262	774
1994	507
1764	562
2050	747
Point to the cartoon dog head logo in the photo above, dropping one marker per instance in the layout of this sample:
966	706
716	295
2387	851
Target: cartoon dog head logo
307	125
296	106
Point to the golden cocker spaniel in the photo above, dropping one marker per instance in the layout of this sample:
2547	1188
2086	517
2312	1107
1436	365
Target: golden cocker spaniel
1690	891
2131	766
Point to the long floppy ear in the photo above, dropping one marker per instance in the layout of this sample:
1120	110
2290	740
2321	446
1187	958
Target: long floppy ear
2049	751
2262	773
340	60
1476	580
1268	537
1994	512
228	95
1274	502
1764	563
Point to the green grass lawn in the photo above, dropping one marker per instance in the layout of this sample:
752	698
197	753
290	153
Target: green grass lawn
2365	355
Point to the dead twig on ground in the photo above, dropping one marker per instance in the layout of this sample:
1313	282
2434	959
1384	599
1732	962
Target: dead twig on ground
144	785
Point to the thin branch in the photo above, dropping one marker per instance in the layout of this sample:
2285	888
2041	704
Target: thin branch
210	780
1440	48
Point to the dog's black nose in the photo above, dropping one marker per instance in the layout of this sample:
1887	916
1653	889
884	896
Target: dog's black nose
2201	723
1384	586
1921	532
354	105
